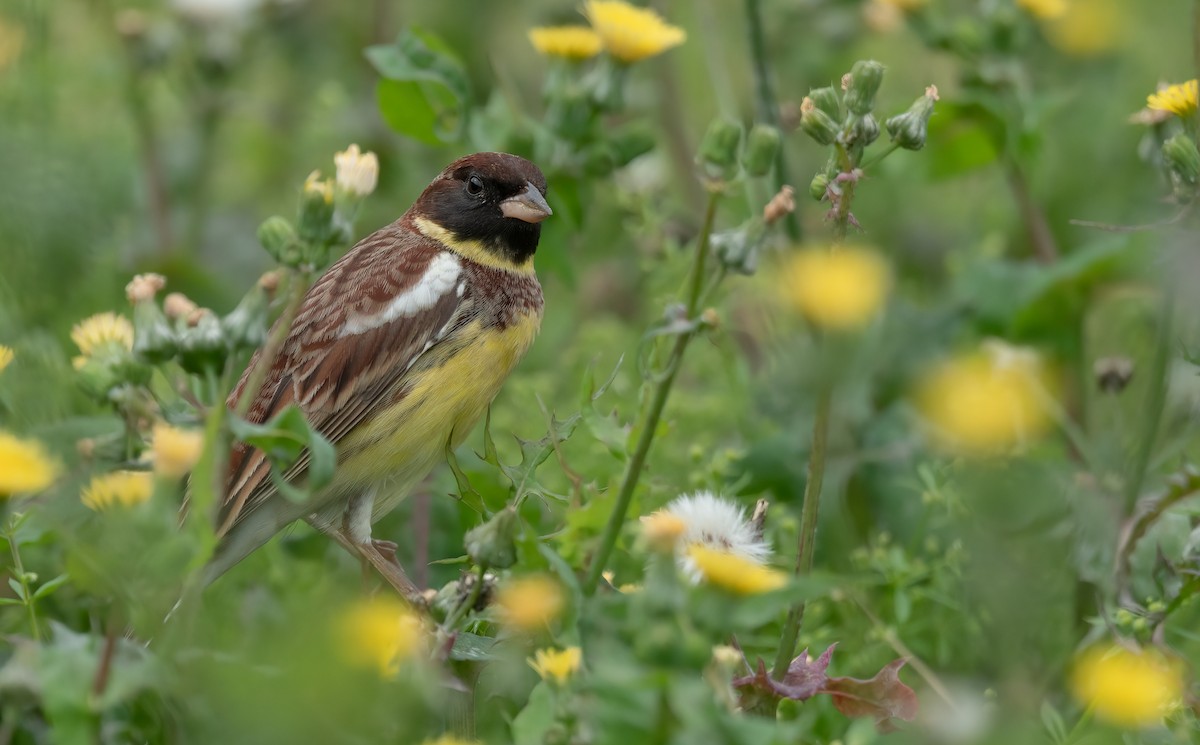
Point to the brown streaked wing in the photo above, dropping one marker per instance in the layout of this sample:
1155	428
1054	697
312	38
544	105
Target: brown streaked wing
339	381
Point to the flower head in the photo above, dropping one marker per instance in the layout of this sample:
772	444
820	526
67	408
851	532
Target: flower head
557	665
317	188
144	287
988	400
734	573
1086	28
126	488
25	466
529	603
715	523
841	289
569	42
102	331
663	530
1044	9
1179	99
6	356
1131	689
379	633
175	451
631	33
357	172
178	306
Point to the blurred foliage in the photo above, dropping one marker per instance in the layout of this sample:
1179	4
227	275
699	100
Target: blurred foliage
159	136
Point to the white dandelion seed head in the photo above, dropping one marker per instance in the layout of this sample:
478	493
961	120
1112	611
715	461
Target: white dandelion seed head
716	523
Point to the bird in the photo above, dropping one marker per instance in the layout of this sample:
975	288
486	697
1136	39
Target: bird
394	354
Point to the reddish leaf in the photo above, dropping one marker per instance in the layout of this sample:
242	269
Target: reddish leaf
883	697
803	680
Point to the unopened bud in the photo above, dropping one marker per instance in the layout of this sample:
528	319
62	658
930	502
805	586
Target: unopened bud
144	287
865	78
269	281
863	130
761	148
818	188
1182	158
828	100
492	543
719	149
153	338
816	123
781	205
178	306
202	345
279	238
246	325
710	318
909	130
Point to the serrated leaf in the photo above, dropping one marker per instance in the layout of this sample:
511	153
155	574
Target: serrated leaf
425	91
466	492
605	428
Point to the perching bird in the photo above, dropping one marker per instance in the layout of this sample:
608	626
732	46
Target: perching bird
395	353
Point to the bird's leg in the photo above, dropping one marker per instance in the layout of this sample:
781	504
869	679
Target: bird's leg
355	537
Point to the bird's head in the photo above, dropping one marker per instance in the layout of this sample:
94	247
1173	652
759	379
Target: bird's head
494	200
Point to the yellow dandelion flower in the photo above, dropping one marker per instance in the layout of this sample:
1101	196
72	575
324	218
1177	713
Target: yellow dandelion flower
1087	27
734	573
557	665
449	739
529	603
1179	99
986	401
568	42
126	488
1131	689
175	451
25	466
663	530
6	356
1044	9
631	33
315	186
101	330
379	633
842	289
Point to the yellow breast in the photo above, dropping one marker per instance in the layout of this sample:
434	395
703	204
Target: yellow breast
443	403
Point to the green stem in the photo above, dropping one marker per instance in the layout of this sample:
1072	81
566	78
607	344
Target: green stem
808	528
1155	400
874	160
19	569
1038	229
662	390
768	109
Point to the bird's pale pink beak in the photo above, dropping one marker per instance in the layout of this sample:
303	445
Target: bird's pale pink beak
529	205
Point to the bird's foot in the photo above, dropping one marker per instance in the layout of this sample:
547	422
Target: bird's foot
386	549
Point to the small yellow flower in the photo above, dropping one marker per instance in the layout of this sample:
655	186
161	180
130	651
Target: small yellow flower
1087	27
734	573
315	186
663	530
25	466
529	603
175	451
379	633
126	488
449	739
1044	9
631	33
557	665
986	401
357	172
840	289
6	356
101	330
569	42
906	5
1127	688
1179	99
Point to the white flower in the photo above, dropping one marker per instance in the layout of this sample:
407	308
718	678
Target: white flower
715	523
357	172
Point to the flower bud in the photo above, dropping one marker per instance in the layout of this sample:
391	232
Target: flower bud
144	287
357	172
178	307
819	186
492	543
863	130
761	148
780	205
816	123
827	99
278	236
246	325
1182	158
908	130
315	226
719	149
202	345
865	78
153	338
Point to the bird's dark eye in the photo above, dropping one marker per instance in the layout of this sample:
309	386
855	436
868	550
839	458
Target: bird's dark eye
474	186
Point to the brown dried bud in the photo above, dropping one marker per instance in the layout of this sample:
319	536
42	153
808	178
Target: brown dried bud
178	306
781	205
86	448
196	316
1113	373
710	318
269	281
144	287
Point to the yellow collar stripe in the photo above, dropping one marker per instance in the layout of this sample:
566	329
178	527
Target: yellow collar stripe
471	250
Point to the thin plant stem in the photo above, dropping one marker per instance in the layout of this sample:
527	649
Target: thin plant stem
662	390
1032	215
764	99
19	569
146	129
1156	399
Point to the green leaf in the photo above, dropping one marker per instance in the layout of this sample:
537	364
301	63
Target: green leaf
472	647
50	586
10	601
425	89
605	428
284	439
18	589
